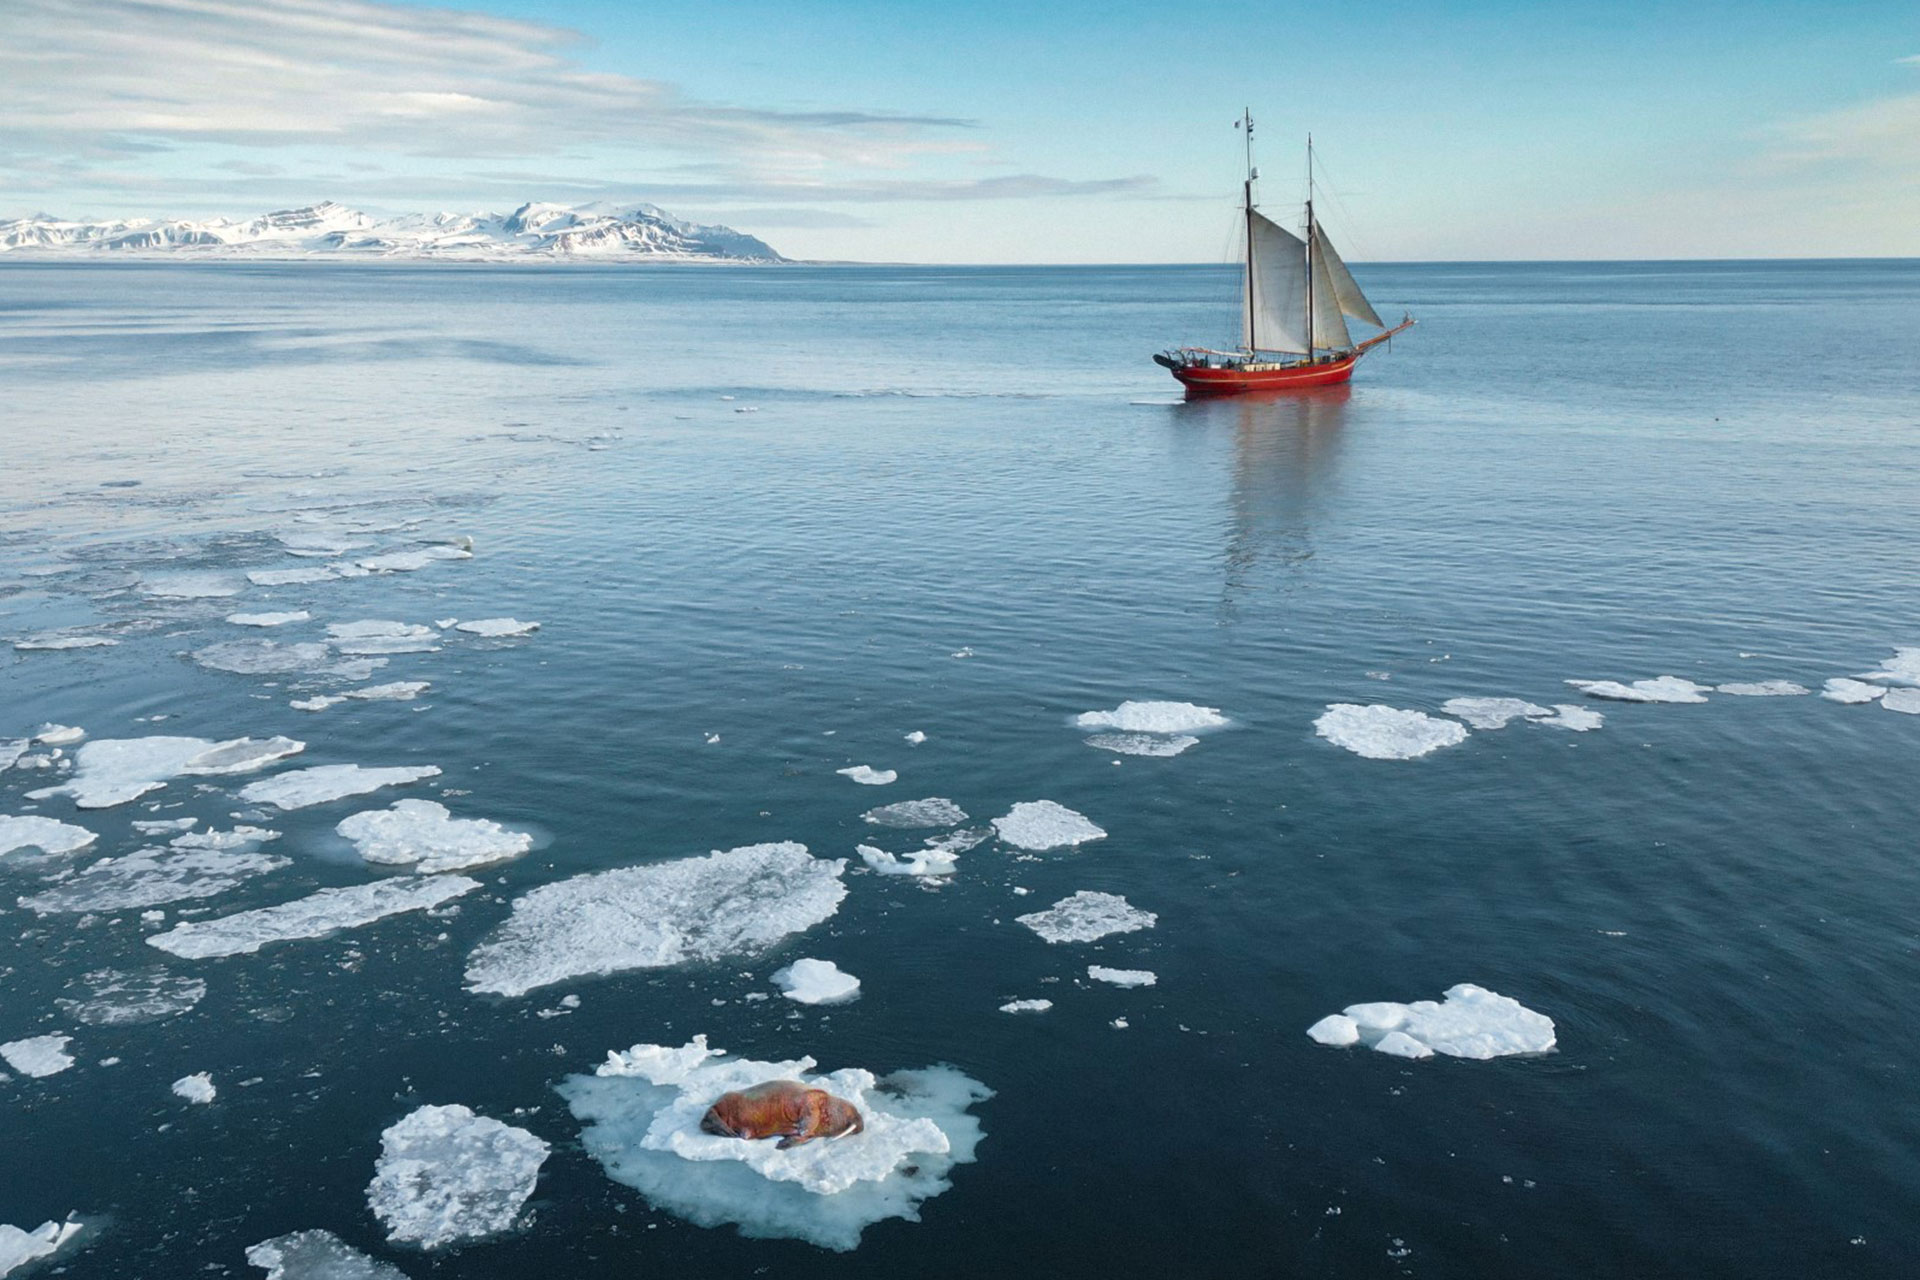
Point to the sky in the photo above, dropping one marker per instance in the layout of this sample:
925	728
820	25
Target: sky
992	131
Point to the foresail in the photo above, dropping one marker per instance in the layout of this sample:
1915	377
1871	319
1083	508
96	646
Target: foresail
1274	317
1329	326
1352	301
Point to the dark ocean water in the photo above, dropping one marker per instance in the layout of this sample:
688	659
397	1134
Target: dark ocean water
1567	471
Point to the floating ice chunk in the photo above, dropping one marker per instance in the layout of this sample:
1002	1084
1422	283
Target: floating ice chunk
1573	717
317	1255
1087	915
300	788
268	619
642	1114
408	561
495	627
58	735
734	902
934	862
1907	700
38	1055
45	834
1386	733
148	878
11	749
319	542
393	645
446	1175
1764	689
422	832
916	737
931	812
1042	824
393	691
958	841
1142	744
868	776
160	826
30	643
1335	1029
1154	717
112	771
237	755
1119	1024
313	916
190	586
262	657
1472	1022
1122	977
319	702
1026	1006
816	982
290	577
238	838
378	629
1659	689
18	1247
1903	668
197	1088
117	998
1493	713
1841	689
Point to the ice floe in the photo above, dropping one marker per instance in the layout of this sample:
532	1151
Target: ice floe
447	1175
1841	689
916	737
58	735
1472	1022
408	561
30	831
908	814
424	833
816	982
1572	716
38	1055
190	586
1494	713
290	577
160	826
238	838
113	771
1154	717
1386	733
732	902
642	1110
313	916
118	998
1026	1006
393	691
1764	689
28	644
148	878
868	776
268	619
11	749
264	657
197	1088
493	628
1122	977
1905	700
1087	915
19	1247
1142	744
1042	824
317	1255
300	788
319	542
931	862
1658	689
1903	668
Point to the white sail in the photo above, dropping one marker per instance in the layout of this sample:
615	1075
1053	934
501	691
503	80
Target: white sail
1352	302
1329	326
1273	314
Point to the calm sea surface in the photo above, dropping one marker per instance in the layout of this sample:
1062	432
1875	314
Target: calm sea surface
778	506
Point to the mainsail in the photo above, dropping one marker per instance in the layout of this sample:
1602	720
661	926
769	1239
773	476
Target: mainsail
1275	293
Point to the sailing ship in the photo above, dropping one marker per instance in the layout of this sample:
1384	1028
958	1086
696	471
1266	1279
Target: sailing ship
1297	298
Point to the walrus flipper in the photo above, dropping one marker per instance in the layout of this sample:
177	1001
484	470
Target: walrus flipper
793	1140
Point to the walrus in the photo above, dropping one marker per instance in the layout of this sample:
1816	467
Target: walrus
785	1109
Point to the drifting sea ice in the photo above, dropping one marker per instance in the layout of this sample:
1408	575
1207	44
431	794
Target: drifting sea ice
1040	825
18	1247
908	814
29	643
642	1112
38	1056
1841	689
1902	668
1386	733
160	826
1122	977
1764	689
816	982
263	657
493	628
300	788
30	831
113	771
933	862
1142	744
149	878
1472	1022
290	577
11	749
408	561
1026	1006
197	1088
190	586
422	832
733	902
268	619
1573	717
238	838
313	916
1494	713
394	691
447	1175
1907	700
317	1255
58	735
1154	717
1658	689
1087	915
868	776
116	998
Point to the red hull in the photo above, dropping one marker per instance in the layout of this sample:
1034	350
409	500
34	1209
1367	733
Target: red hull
1203	381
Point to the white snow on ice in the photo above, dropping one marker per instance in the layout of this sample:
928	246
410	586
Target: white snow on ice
447	1175
1764	689
496	627
408	561
268	619
1472	1022
1026	1006
19	1247
45	834
1087	915
1154	717
1386	733
300	788
933	862
1658	689
238	838
38	1055
1122	977
197	1088
1906	700
1841	689
148	878
1903	668
868	776
908	814
291	577
313	916
113	771
816	982
1042	824
422	832
1142	744
317	1255
160	826
1494	713
58	735
1573	717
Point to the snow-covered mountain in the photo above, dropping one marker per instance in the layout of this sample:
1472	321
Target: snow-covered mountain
592	231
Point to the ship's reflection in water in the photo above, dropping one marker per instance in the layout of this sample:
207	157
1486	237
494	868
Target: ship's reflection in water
1286	461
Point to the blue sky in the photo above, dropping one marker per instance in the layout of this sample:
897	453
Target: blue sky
995	131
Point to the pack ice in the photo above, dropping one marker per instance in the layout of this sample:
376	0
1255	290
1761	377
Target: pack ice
1386	733
112	771
642	1112
446	1175
816	982
1087	915
317	1255
18	1247
1040	825
1472	1022
45	834
313	916
732	902
300	788
423	833
1658	689
149	878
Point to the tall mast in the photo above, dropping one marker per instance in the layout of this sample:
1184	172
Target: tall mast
1246	122
1309	248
